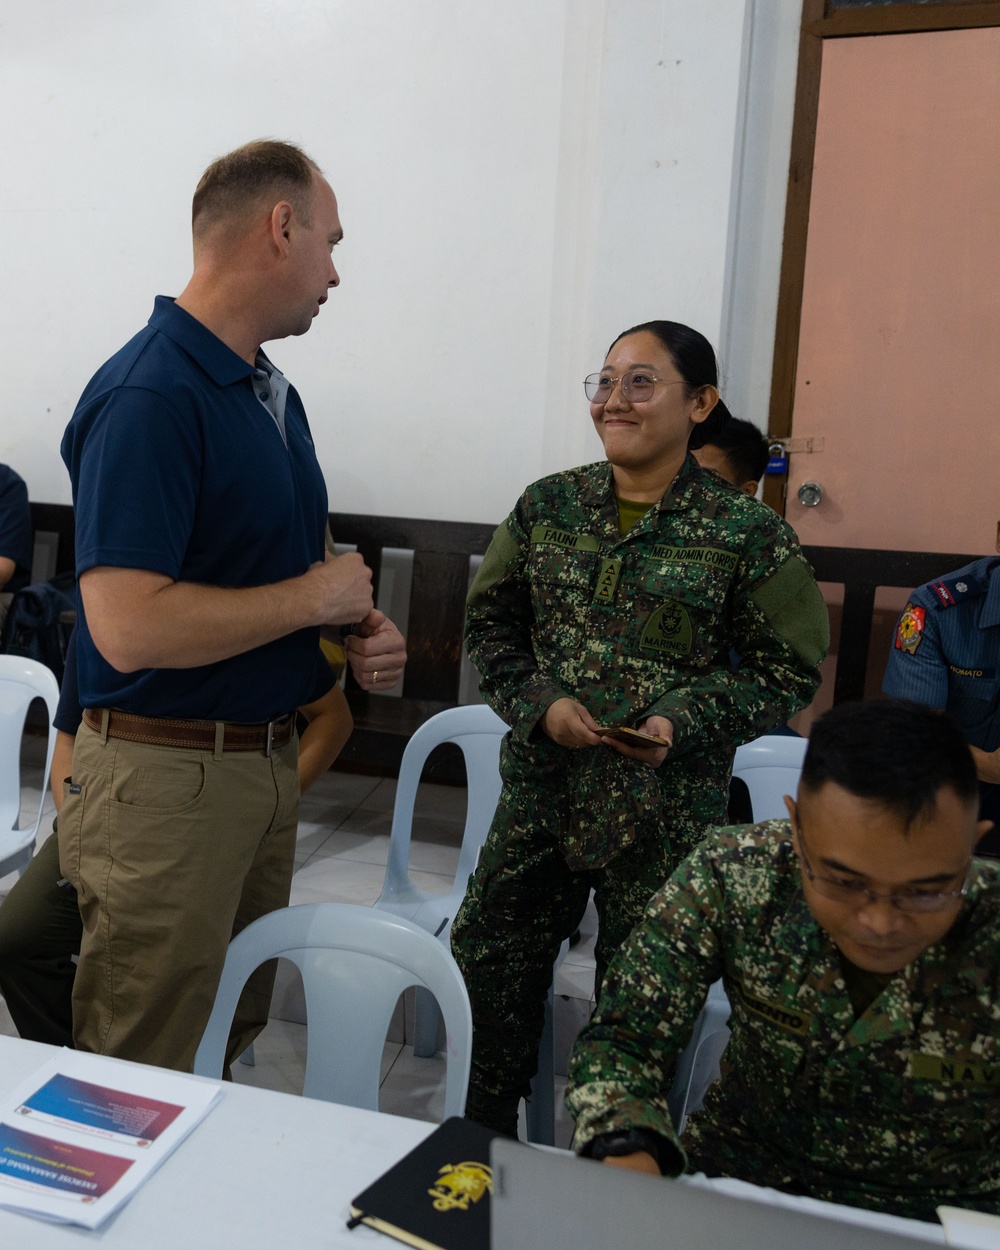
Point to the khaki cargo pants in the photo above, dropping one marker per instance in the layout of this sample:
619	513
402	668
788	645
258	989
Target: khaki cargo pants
171	851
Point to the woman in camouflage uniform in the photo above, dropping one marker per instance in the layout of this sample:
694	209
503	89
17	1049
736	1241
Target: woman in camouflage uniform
615	595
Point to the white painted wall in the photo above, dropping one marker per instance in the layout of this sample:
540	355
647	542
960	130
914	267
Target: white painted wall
519	180
757	203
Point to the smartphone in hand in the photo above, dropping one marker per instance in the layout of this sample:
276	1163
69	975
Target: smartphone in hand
633	737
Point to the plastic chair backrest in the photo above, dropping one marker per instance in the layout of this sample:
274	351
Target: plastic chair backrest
21	681
698	1063
478	732
770	766
355	963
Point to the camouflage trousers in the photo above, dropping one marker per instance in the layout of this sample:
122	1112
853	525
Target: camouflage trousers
523	901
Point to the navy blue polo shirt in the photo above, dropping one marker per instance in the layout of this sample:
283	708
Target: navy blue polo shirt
15	527
177	467
69	713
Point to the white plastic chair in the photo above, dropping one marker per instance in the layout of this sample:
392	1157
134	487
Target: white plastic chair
478	732
21	681
770	766
355	963
698	1063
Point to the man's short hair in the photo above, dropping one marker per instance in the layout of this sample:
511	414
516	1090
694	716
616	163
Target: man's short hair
267	169
741	442
896	753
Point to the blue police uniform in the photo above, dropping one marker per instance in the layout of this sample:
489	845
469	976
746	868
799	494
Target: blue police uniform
946	654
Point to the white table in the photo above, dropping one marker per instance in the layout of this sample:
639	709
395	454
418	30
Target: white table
262	1170
272	1170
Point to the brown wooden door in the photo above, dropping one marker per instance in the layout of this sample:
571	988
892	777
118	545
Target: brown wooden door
898	368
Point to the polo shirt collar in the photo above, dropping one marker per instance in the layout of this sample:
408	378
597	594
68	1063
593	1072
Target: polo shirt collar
220	362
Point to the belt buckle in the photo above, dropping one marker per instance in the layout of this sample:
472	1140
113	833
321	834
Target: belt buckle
269	744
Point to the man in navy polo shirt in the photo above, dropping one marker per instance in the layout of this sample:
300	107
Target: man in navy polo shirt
204	582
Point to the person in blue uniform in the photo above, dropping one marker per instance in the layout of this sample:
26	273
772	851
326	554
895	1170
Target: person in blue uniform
946	654
15	536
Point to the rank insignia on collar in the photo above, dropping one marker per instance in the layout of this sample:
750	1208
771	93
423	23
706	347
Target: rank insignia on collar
909	632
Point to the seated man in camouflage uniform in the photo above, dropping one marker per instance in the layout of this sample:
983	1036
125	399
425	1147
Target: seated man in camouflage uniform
859	945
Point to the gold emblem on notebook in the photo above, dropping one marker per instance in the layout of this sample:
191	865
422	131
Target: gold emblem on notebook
459	1184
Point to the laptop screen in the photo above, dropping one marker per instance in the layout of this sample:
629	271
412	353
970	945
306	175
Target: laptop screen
552	1199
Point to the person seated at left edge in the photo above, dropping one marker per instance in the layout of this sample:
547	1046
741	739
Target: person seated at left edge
859	946
15	537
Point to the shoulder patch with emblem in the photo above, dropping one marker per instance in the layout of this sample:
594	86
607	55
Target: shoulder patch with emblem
910	630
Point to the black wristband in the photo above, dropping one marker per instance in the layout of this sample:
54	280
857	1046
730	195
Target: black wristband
629	1142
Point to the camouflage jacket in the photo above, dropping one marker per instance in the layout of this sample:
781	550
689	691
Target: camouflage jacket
645	624
898	1110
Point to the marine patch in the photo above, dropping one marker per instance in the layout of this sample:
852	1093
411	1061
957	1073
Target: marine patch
712	556
668	629
555	537
607	581
953	1069
459	1184
909	632
788	1019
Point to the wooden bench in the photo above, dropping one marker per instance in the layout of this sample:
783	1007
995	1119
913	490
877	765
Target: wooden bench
434	625
55	540
435	615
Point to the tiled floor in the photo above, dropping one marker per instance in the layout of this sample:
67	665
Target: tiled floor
340	857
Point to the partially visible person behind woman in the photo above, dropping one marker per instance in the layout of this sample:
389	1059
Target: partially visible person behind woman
612	597
735	449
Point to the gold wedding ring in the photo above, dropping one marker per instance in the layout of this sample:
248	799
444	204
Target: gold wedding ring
374	677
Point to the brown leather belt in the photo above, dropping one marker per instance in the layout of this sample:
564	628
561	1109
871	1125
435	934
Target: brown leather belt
194	735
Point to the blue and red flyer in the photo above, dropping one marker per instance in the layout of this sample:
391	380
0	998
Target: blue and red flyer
101	1112
84	1132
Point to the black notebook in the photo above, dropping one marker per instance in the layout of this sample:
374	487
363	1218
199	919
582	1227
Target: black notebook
438	1196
